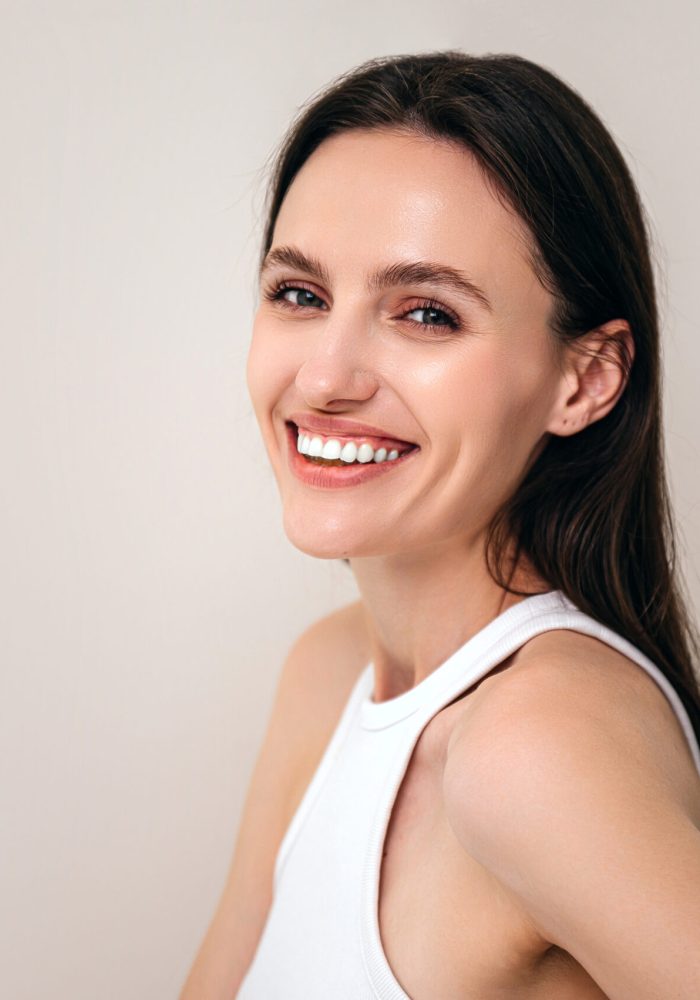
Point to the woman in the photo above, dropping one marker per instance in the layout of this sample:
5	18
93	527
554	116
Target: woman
482	779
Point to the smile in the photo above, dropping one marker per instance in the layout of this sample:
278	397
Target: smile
334	461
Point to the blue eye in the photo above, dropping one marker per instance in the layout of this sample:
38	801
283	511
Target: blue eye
277	294
305	292
432	307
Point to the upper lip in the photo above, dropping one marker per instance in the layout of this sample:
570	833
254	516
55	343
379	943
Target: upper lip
340	425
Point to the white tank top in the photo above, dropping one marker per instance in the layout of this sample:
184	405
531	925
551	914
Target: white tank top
321	939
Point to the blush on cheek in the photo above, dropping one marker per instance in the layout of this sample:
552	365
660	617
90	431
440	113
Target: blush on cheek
266	375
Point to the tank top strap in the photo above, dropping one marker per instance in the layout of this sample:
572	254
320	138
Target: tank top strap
500	638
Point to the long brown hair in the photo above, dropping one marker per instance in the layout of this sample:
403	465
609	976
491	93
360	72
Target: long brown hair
592	514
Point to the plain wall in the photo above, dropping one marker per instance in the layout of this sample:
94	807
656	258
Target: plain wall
148	593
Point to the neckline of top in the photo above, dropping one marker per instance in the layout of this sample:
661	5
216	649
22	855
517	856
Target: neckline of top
380	714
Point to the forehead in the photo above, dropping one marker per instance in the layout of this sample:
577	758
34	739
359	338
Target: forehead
364	198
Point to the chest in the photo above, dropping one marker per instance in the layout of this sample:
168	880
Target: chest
448	928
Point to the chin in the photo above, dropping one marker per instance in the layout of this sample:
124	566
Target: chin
317	553
319	550
326	541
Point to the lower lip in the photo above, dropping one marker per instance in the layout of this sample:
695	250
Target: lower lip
335	476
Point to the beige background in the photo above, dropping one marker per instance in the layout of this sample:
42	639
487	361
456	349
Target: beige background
148	594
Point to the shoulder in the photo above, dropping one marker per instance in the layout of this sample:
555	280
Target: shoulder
561	783
569	696
315	680
321	668
332	646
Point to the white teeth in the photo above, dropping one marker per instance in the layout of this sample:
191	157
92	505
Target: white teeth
331	449
349	452
316	447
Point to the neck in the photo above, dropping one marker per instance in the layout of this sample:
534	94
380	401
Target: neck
421	606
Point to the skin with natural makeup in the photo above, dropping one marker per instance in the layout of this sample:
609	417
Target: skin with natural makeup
469	376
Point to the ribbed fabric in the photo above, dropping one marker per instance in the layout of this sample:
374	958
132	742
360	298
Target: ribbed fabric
321	939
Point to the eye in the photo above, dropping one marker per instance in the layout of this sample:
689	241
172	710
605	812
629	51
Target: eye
434	308
277	293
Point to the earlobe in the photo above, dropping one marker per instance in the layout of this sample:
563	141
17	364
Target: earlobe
566	426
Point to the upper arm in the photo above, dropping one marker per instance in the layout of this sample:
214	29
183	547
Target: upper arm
558	792
313	684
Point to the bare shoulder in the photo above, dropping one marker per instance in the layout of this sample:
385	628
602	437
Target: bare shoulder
322	666
571	781
313	685
568	693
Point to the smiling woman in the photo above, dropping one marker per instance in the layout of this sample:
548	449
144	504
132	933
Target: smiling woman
477	776
393	323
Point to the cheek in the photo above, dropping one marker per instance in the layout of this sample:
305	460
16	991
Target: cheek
254	368
265	374
493	400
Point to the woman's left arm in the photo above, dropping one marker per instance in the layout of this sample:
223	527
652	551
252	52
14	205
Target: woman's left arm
558	792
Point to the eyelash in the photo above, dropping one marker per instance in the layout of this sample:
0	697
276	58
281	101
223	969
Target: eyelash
274	293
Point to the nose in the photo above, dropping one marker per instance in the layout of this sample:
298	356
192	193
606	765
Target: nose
338	365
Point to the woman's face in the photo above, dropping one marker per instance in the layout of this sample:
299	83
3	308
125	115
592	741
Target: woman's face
469	379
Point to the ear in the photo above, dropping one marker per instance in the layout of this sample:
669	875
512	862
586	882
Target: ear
594	376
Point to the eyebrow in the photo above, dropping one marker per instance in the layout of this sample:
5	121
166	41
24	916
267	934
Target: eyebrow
420	272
